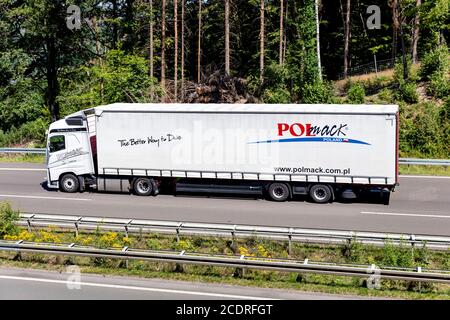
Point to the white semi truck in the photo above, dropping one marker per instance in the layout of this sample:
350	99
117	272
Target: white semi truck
277	151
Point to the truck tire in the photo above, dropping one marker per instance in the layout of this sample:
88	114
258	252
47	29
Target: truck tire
278	192
69	183
143	186
320	193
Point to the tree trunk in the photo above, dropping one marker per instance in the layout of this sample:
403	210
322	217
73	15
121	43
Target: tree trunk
285	32
261	43
199	40
402	39
346	37
183	5
227	37
99	54
394	28
150	31
415	38
319	64
280	54
114	26
163	45
175	78
52	79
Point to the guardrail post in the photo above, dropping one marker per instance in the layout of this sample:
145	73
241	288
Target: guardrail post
125	249
290	243
240	272
419	269
178	231
18	255
300	276
178	266
29	223
412	240
76	227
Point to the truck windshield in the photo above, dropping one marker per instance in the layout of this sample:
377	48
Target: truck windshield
57	143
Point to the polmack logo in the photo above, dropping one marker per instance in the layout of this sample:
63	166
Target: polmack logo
309	133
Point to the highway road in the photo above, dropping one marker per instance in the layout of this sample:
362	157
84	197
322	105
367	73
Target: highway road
420	205
27	284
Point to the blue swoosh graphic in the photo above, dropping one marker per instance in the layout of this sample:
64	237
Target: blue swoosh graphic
314	139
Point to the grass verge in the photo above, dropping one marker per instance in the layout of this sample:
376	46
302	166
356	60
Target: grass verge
31	158
352	252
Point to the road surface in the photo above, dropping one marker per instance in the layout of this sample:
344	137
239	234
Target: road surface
49	285
420	205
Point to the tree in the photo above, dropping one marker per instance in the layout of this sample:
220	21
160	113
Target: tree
395	27
175	78
261	43
199	48
346	38
183	8
150	31
163	45
280	53
319	64
227	37
415	38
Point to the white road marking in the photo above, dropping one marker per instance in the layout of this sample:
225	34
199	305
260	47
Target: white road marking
113	286
39	197
406	214
425	177
22	169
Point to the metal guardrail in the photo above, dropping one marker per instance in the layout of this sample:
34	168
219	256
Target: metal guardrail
179	228
23	150
406	161
244	262
428	162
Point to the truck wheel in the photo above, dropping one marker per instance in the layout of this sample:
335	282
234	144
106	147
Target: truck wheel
143	186
69	183
278	191
320	193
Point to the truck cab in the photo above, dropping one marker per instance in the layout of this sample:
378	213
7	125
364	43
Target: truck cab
69	154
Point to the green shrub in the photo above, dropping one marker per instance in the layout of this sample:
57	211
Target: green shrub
385	96
397	255
424	131
356	93
7	218
353	251
439	85
407	92
318	92
435	61
279	95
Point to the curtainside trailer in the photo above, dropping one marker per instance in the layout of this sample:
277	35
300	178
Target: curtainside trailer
277	151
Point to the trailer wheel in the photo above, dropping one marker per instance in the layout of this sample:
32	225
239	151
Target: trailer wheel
320	193
143	186
278	191
69	183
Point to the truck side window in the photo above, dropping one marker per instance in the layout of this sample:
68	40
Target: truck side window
57	143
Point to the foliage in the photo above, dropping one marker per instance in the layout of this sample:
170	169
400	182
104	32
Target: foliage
407	92
7	219
397	255
425	130
436	61
356	93
353	251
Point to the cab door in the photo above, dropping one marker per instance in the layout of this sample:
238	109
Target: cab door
68	152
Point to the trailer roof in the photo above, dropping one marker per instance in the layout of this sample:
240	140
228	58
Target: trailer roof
247	108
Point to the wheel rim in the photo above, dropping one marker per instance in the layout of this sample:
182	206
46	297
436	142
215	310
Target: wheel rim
143	186
320	193
69	184
278	192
